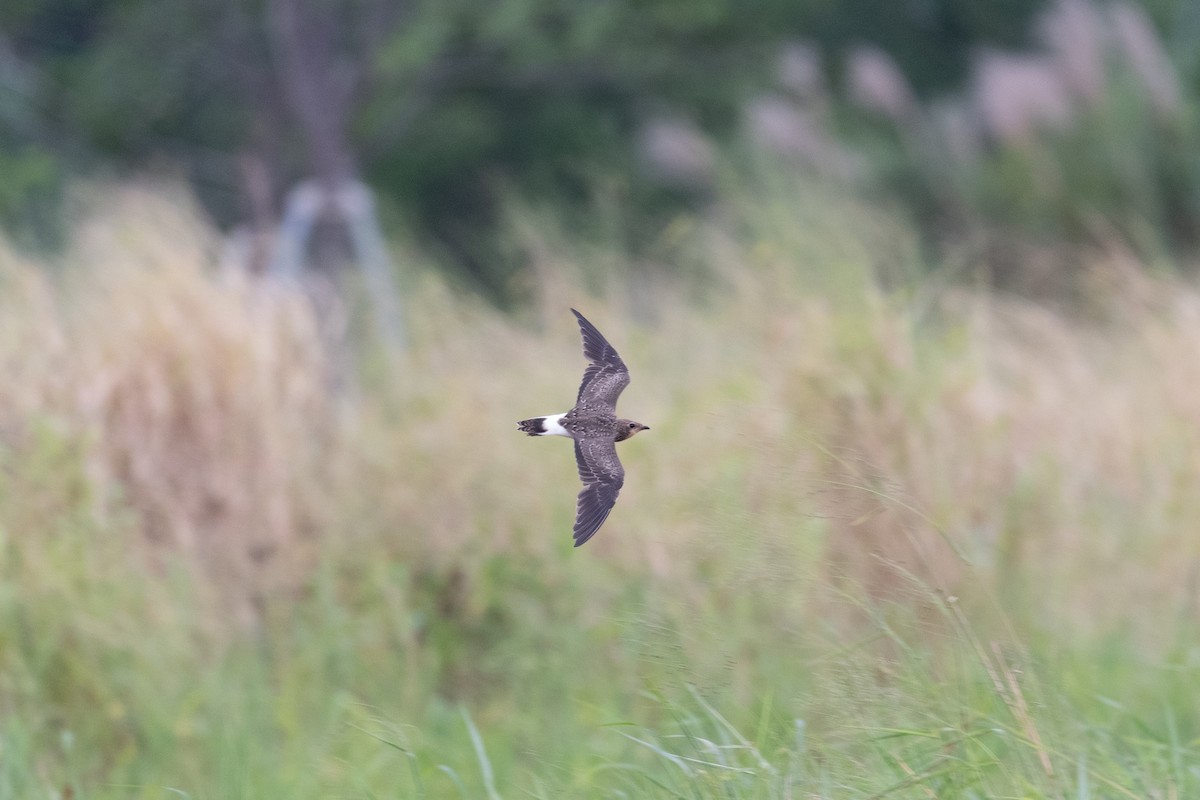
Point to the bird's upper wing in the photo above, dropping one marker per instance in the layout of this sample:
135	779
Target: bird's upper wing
606	375
602	476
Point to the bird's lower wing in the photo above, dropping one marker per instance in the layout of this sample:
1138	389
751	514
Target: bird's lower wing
602	476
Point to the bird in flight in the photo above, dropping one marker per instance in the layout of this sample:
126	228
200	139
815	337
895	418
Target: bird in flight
594	425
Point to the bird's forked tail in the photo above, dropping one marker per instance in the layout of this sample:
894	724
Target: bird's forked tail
533	427
549	425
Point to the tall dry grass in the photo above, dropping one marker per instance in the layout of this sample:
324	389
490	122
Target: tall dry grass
200	396
944	439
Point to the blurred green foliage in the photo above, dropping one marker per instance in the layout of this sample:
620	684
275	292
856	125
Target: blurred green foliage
455	102
455	106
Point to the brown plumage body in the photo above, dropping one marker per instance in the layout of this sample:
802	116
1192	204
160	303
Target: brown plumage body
596	428
587	425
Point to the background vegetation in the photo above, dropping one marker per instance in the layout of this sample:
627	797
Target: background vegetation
916	514
619	114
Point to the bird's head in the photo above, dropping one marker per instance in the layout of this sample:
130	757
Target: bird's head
627	428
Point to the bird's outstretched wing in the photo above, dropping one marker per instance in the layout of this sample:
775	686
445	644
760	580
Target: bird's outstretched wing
602	476
606	375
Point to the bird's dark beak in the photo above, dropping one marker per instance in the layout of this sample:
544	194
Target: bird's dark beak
645	427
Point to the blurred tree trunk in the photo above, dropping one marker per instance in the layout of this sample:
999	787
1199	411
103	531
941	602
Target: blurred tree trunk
318	89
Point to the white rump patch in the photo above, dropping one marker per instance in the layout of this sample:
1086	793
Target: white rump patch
553	427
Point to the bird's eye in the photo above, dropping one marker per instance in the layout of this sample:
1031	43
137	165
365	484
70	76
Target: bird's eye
633	424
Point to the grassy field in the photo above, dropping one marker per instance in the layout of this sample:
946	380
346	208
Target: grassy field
918	541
